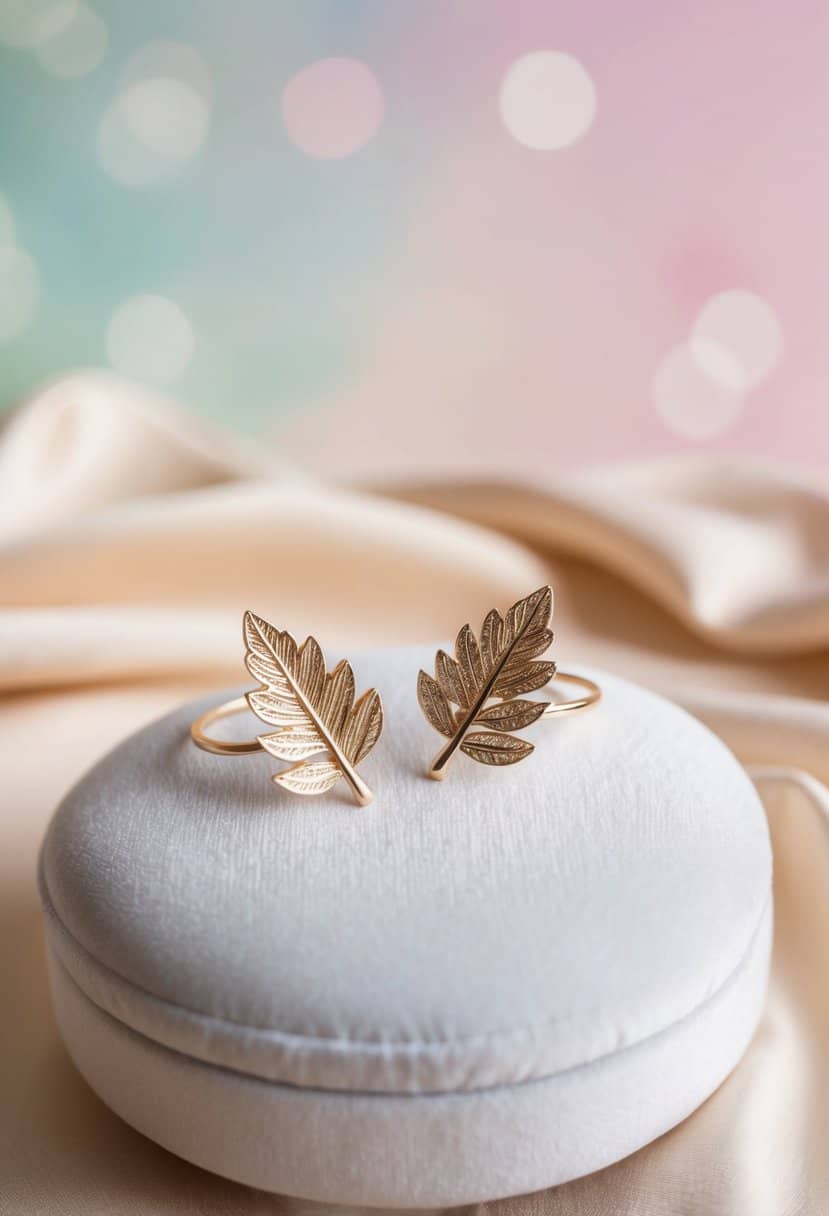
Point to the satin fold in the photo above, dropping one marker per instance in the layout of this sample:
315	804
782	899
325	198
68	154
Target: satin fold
133	536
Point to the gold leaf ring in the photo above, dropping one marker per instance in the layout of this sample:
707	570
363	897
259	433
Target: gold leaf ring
316	721
483	686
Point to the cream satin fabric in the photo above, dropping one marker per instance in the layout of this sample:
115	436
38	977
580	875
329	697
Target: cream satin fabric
131	539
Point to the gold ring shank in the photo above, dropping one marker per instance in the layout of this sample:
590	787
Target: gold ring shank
222	747
592	694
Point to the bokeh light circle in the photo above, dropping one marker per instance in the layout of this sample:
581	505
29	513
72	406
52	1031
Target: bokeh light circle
167	116
149	338
19	285
739	328
691	404
75	42
55	19
547	100
23	23
160	118
719	363
332	108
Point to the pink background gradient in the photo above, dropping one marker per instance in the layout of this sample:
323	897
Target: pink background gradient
521	324
337	239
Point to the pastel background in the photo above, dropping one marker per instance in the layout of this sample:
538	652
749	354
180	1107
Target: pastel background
452	235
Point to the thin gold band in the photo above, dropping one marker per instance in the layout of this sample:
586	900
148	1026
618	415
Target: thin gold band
591	696
221	747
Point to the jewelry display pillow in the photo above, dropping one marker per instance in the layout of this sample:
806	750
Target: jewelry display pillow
467	990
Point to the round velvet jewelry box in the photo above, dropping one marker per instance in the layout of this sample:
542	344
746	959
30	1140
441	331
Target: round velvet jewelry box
465	991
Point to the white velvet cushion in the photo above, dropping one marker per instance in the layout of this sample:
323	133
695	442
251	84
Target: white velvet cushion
583	937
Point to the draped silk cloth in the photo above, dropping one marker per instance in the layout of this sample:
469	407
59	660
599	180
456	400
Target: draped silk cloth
132	538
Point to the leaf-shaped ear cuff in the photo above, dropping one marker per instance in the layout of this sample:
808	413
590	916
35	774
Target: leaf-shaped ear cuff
476	698
315	720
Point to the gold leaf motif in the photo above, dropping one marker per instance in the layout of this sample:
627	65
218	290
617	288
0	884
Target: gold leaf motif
499	668
469	663
496	749
491	634
511	715
292	743
309	778
448	676
524	677
314	711
364	726
435	705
